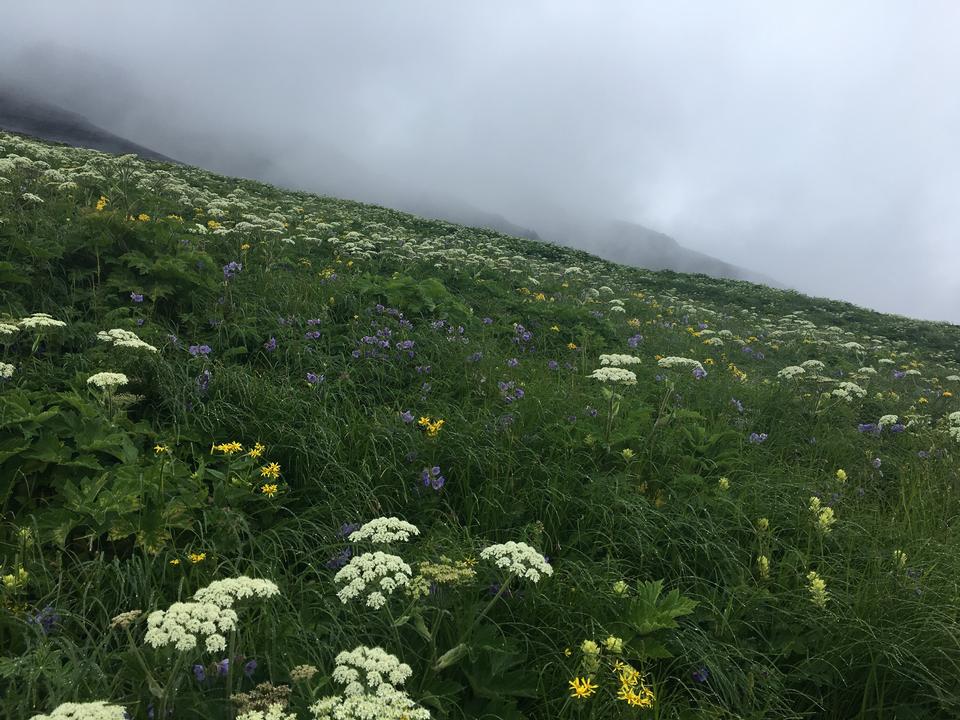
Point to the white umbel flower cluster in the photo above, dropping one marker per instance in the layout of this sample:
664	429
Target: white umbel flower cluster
384	530
371	678
8	329
950	378
953	420
181	624
618	375
616	360
790	372
6	370
226	592
108	380
849	391
98	710
274	712
679	362
41	320
887	420
518	559
210	616
118	337
372	575
369	668
815	365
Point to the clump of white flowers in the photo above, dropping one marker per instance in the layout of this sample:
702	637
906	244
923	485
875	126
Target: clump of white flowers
97	710
274	712
953	419
30	197
852	346
7	329
181	624
209	616
887	420
6	370
371	678
226	592
372	575
119	337
713	341
614	375
384	530
679	362
616	360
812	365
108	380
790	372
518	559
41	320
951	378
849	391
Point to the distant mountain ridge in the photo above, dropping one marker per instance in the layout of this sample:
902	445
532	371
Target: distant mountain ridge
620	241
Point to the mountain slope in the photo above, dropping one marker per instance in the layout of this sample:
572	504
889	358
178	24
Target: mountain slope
257	444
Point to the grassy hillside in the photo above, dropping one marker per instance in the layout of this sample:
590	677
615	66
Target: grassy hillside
724	501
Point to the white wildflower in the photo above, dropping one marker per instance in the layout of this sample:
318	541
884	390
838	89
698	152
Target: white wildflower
224	593
119	337
614	375
849	391
30	197
41	320
372	575
619	360
98	710
680	362
519	559
274	712
8	329
790	372
888	420
950	378
812	365
108	380
182	624
852	346
384	530
6	370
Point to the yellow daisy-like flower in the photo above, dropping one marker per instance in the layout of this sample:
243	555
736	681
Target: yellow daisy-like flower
245	247
143	217
642	699
213	224
160	449
272	471
947	393
582	688
175	561
257	450
197	557
555	328
102	203
269	490
227	448
571	346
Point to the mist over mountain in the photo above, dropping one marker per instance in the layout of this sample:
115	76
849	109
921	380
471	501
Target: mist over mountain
23	111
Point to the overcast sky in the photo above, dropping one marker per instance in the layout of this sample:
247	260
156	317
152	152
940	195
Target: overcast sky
815	142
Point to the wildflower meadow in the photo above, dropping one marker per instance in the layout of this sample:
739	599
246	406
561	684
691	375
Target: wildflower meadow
273	456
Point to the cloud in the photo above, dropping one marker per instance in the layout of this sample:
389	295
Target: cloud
813	142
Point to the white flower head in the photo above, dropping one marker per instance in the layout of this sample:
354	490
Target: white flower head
790	372
616	360
224	593
679	362
6	329
519	559
183	624
274	712
614	375
41	320
118	337
108	380
887	420
6	370
373	575
384	530
98	710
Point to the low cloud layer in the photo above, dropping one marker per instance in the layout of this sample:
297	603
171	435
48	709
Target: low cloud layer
814	142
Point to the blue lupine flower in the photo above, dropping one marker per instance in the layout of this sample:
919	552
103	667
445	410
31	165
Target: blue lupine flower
136	297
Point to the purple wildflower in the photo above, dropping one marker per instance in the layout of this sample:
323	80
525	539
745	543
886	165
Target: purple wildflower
868	428
897	428
475	357
488	321
47	619
406	416
552	365
923	454
311	335
701	675
340	559
136	297
199	673
231	269
347	529
314	379
699	373
591	411
250	668
270	345
223	667
634	340
757	438
899	374
140	322
432	477
203	350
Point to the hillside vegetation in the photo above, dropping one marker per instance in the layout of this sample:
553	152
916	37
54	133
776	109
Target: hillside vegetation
270	455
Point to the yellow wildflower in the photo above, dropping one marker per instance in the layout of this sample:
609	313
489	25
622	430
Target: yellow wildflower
17	579
582	688
841	475
175	561
160	449
947	393
197	557
763	524
620	587
227	448
143	217
614	645
244	247
257	450
555	328
724	484
269	490
627	453
539	297
102	203
213	224
272	471
571	346
763	565
818	589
